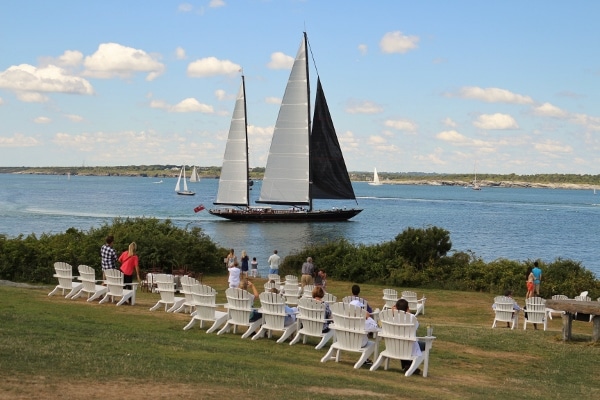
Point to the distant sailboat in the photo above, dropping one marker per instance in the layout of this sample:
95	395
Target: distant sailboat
194	177
475	184
376	181
185	191
305	160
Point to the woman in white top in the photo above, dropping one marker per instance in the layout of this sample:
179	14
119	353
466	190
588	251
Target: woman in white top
234	275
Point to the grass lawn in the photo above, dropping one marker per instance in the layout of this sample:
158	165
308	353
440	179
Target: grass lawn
54	348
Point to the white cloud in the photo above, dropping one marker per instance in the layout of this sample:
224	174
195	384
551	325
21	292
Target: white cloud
115	60
273	100
280	61
549	110
396	42
401	125
452	136
450	122
42	120
432	158
220	94
19	140
376	140
185	7
180	53
74	118
552	146
27	81
363	49
70	58
496	122
212	66
363	107
185	106
493	95
216	3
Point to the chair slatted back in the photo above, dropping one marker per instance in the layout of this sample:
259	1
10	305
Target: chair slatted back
239	303
329	298
350	299
292	279
583	298
311	315
114	281
535	309
204	298
87	276
64	274
349	325
390	297
399	330
275	277
560	297
307	291
273	310
504	308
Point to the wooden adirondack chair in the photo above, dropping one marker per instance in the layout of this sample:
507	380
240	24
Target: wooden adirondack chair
166	289
399	331
415	305
504	311
390	297
535	312
64	274
239	305
87	276
204	298
116	288
187	282
350	333
311	317
272	308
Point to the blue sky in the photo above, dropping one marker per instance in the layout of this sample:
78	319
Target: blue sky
430	86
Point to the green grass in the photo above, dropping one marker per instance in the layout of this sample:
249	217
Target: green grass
49	345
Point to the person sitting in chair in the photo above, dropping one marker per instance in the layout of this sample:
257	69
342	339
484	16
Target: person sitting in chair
418	347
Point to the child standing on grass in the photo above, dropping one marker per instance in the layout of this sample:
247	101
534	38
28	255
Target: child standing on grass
254	268
530	285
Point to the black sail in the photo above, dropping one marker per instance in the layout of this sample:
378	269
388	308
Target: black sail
330	179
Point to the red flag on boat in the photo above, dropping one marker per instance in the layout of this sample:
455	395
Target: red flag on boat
199	208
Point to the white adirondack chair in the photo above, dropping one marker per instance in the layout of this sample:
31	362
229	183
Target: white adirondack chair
307	291
64	274
274	277
206	308
87	276
116	288
188	305
311	318
291	292
349	327
272	307
270	285
399	331
390	297
291	279
239	305
167	297
329	298
415	305
535	312
364	302
504	310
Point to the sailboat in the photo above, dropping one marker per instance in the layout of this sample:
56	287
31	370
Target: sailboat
185	191
305	161
194	177
376	181
475	184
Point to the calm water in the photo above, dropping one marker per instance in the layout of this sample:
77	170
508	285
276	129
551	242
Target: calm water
517	224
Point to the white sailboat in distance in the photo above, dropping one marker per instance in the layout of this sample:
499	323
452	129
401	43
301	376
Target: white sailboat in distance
185	191
194	177
375	181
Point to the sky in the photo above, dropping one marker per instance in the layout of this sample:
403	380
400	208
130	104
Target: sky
464	86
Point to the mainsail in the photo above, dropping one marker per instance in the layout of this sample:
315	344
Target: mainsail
233	183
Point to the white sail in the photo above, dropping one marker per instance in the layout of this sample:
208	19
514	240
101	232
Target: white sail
286	179
194	177
185	188
376	181
177	189
233	182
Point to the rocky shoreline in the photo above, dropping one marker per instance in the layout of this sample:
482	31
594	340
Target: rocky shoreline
500	184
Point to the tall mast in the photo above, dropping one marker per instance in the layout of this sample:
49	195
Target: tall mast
247	153
310	199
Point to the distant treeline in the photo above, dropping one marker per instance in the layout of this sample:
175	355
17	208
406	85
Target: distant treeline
161	171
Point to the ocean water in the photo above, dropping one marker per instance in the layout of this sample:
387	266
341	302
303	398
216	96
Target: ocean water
514	223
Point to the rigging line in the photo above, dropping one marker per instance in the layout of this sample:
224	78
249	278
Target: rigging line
312	56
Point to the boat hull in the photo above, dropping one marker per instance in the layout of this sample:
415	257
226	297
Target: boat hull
186	193
271	215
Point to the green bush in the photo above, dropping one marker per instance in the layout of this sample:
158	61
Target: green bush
160	245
